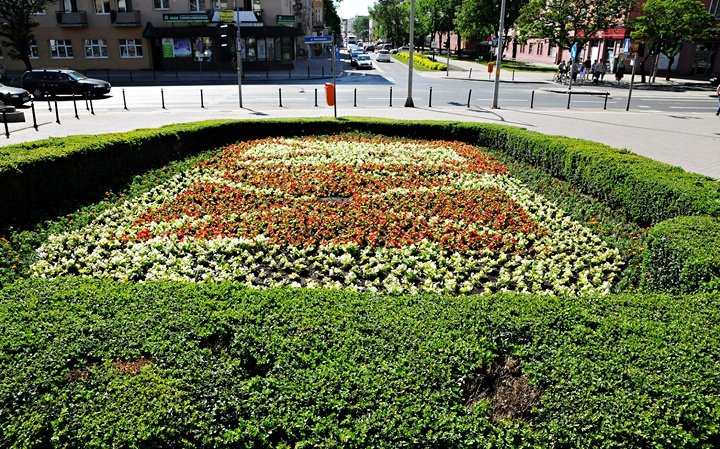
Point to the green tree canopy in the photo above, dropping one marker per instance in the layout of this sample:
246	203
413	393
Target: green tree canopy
361	26
565	22
17	24
391	19
668	24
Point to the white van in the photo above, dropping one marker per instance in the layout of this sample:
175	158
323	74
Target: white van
351	40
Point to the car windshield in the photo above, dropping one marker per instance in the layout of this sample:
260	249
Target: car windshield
76	75
363	57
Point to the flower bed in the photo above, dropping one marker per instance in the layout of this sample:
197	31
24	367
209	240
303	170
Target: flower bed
376	214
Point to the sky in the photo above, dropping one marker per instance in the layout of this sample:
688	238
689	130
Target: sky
351	8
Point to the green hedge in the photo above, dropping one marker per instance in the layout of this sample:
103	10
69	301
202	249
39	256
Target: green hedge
48	174
682	256
93	364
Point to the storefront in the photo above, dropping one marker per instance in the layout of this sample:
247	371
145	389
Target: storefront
212	46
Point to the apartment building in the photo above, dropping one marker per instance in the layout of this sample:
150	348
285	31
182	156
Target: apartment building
172	34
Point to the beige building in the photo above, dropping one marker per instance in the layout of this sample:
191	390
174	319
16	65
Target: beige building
172	34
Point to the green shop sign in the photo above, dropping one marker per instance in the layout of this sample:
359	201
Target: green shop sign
192	17
286	20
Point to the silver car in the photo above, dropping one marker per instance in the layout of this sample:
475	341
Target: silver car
13	96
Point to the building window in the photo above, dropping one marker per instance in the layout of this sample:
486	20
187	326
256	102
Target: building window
162	4
131	48
715	8
33	50
61	48
102	6
219	5
197	5
96	48
126	5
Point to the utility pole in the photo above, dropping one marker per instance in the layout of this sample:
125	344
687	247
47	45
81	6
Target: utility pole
236	16
409	102
498	57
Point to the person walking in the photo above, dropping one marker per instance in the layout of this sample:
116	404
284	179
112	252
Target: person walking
594	71
620	72
602	68
717	91
588	67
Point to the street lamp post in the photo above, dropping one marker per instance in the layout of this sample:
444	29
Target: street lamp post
237	50
409	102
498	58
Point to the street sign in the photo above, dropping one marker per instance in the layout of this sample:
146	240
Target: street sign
318	39
573	52
192	17
626	45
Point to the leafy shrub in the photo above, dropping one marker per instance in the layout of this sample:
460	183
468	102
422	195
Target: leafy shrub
682	256
99	364
421	60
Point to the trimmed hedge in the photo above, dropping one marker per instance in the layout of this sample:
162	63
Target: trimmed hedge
421	60
682	256
101	364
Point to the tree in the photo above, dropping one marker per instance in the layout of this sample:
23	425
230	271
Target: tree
391	19
566	22
480	18
331	18
361	26
16	26
666	25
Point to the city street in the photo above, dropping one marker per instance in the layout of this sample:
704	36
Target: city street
675	125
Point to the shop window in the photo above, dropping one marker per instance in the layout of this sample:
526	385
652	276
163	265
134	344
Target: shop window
715	8
131	48
202	49
95	48
61	48
286	49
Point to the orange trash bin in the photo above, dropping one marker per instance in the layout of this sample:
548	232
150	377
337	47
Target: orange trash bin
330	94
491	66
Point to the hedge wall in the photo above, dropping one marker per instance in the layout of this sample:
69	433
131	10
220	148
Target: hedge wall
96	364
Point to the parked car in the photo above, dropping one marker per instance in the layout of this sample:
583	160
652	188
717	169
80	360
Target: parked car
363	62
383	56
13	96
46	82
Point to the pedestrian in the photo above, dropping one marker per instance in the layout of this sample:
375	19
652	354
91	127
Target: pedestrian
575	70
620	72
602	68
594	71
587	66
717	91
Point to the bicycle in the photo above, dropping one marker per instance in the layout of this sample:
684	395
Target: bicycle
560	77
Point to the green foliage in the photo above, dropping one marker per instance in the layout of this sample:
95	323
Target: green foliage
99	364
682	256
420	61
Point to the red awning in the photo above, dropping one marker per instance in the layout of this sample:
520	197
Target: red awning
613	33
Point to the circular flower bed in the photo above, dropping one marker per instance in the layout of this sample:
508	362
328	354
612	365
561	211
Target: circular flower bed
377	214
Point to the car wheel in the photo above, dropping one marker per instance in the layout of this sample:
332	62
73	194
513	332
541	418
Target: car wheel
37	93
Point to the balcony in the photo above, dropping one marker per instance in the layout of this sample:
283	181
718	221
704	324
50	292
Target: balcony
125	18
76	19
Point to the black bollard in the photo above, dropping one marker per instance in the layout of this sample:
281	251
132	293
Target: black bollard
202	102
49	107
355	97
569	96
470	75
280	96
316	98
92	111
532	99
57	113
430	98
124	102
390	96
606	97
469	95
513	77
75	106
87	106
289	73
267	74
130	72
308	72
162	98
323	71
32	106
7	130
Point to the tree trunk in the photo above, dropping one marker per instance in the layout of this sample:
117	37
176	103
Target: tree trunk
26	60
642	67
